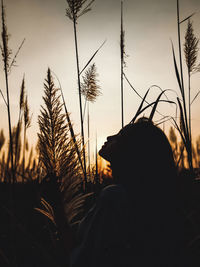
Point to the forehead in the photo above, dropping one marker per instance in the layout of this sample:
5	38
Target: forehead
126	129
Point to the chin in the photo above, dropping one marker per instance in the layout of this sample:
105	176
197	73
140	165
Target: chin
101	152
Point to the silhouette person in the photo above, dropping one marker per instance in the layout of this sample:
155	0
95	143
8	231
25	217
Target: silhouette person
135	222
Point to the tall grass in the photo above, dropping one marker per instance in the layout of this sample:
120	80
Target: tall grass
6	54
76	9
61	172
19	124
27	124
122	52
90	90
190	52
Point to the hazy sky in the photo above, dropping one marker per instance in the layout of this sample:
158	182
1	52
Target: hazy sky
149	25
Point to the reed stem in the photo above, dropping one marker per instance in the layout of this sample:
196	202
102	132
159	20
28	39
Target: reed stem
80	100
188	139
122	65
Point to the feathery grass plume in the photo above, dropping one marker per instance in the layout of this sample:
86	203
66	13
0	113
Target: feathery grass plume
70	124
184	128
5	50
27	116
77	8
89	86
22	94
55	147
27	124
191	53
59	160
91	90
6	53
190	48
2	139
19	124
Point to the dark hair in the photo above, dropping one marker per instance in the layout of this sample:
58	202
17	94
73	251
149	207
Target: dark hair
144	155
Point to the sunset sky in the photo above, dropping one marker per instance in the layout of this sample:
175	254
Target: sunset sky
149	26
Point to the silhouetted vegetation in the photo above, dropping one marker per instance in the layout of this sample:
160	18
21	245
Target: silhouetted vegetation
45	191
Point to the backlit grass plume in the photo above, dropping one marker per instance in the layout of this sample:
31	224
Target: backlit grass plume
19	124
191	53
91	90
77	8
27	124
89	86
8	64
60	168
56	149
190	48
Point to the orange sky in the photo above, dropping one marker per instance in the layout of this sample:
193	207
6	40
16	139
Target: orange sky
149	26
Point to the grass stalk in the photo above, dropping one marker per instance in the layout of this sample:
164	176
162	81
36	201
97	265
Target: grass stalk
96	161
122	65
80	99
6	56
185	117
88	121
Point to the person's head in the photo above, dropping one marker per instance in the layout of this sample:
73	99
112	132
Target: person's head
139	151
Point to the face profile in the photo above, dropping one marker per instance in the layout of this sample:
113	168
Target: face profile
140	150
112	145
109	147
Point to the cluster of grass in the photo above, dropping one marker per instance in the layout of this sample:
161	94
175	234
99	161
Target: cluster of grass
58	183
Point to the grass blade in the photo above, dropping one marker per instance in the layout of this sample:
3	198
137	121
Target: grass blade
177	72
179	130
140	107
92	57
195	97
184	129
155	105
149	105
187	18
3	97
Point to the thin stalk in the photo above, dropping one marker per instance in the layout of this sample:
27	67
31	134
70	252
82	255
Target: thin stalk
9	123
80	100
5	61
88	139
181	65
97	180
189	151
189	100
122	65
24	152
